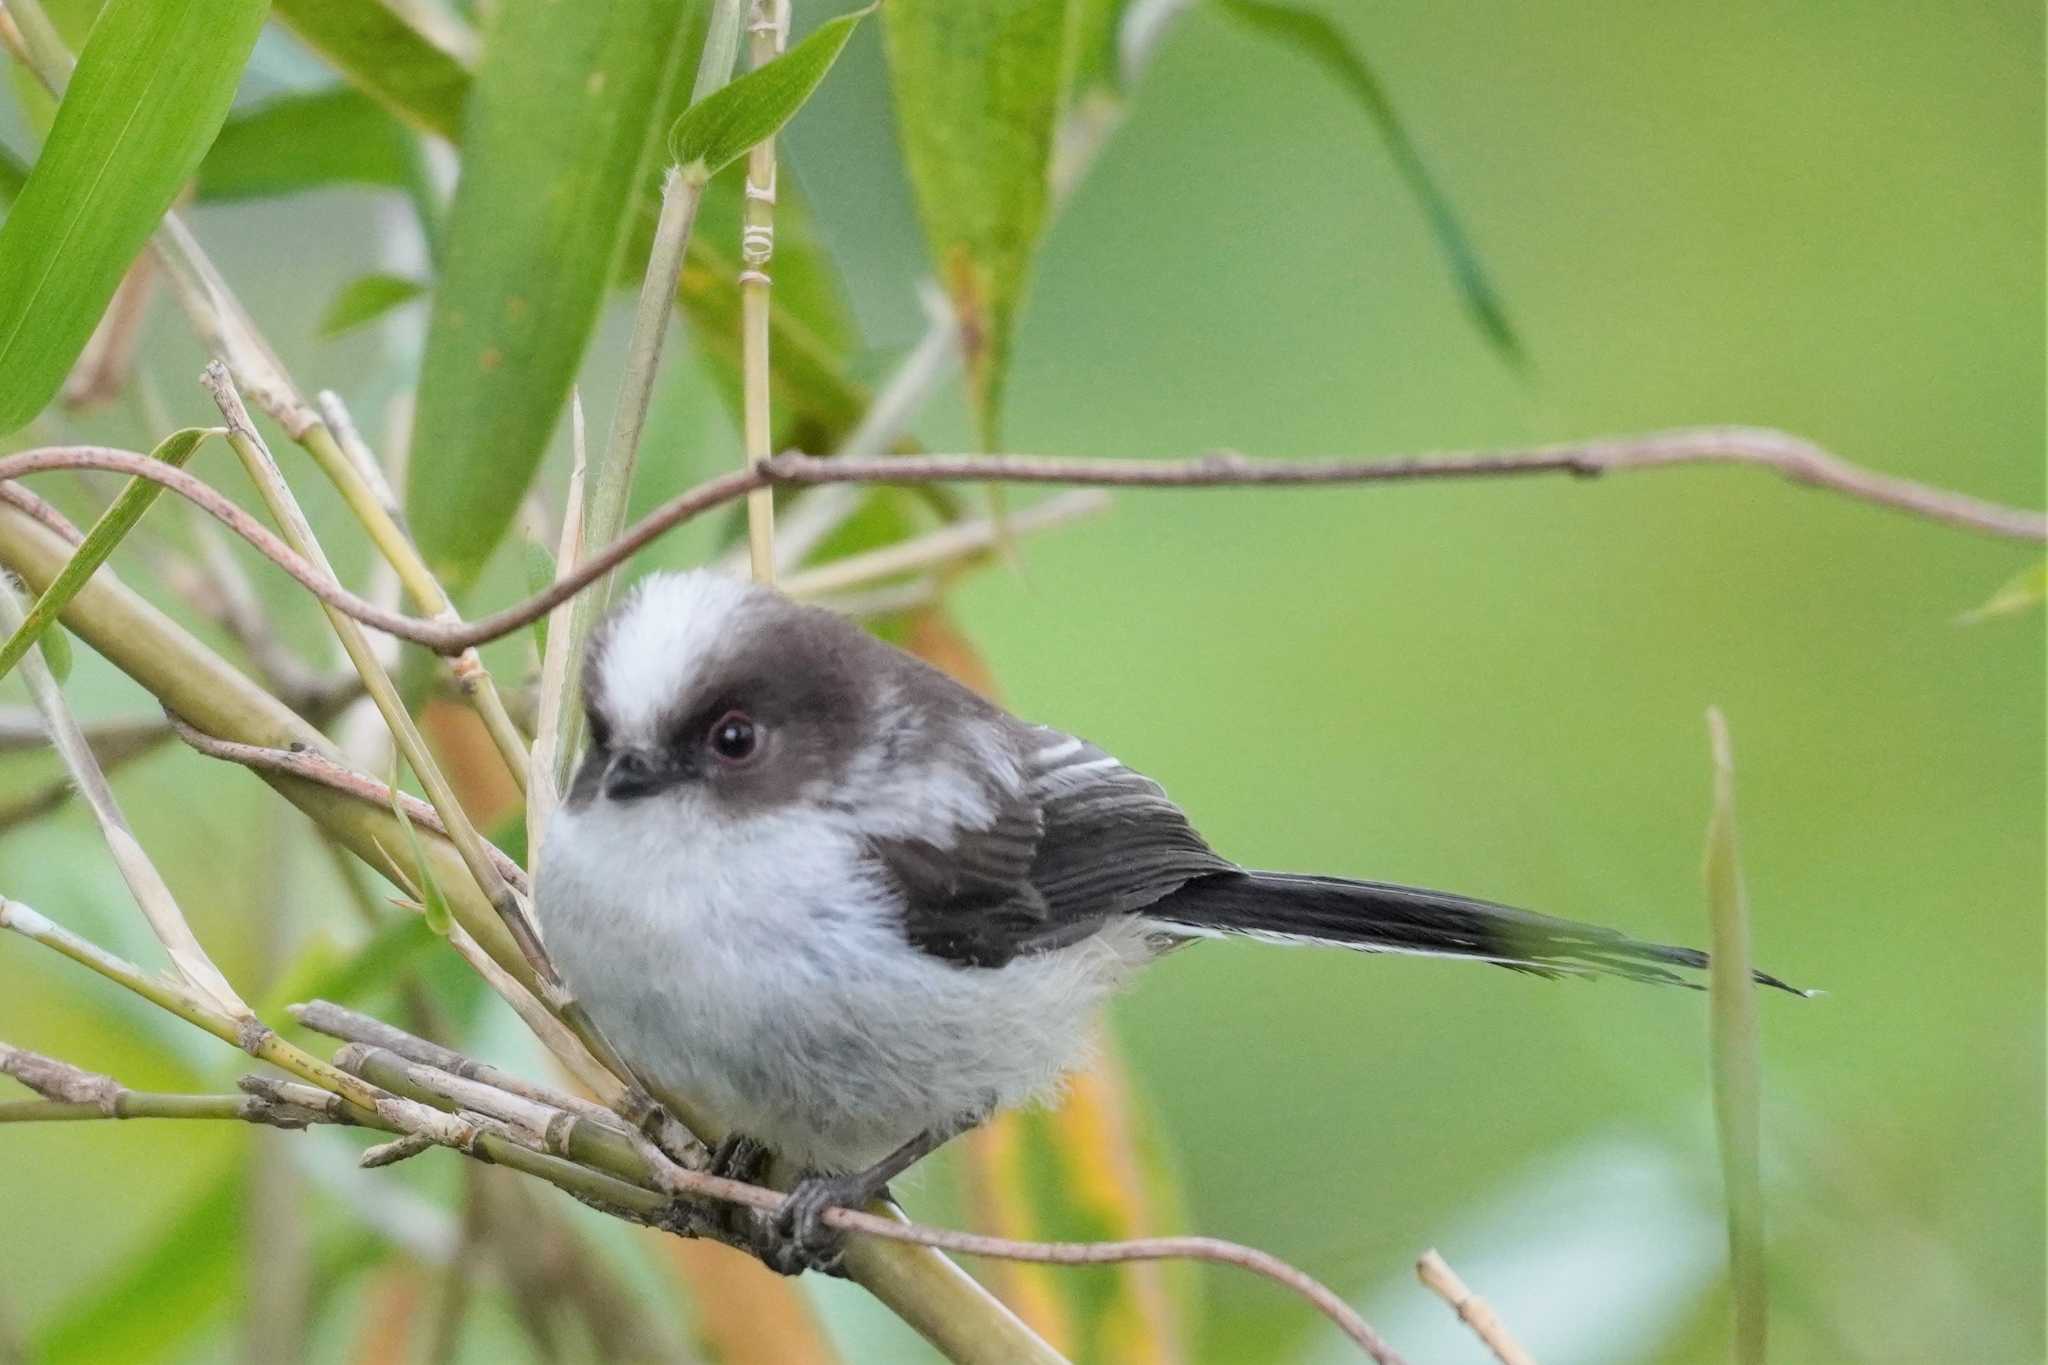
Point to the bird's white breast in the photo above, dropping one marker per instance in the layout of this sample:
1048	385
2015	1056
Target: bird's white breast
757	968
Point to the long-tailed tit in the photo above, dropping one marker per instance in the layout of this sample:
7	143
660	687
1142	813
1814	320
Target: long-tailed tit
850	909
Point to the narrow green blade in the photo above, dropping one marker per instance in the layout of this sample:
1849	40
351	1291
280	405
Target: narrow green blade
978	91
1322	42
1738	1084
306	141
129	133
562	129
366	298
718	129
117	521
383	54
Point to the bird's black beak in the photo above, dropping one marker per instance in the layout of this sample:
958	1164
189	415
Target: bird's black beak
631	773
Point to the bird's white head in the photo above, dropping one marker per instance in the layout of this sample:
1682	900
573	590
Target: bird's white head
703	686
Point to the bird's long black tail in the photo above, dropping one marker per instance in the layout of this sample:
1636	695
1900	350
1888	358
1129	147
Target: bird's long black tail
1381	917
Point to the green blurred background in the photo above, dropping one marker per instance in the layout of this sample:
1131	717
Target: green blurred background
1827	218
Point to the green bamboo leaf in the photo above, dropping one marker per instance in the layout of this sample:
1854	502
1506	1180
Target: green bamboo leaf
129	133
433	902
816	400
366	298
306	141
1091	55
1738	1085
562	127
540	575
978	91
2026	589
386	56
718	129
13	175
185	1275
117	521
1316	38
56	643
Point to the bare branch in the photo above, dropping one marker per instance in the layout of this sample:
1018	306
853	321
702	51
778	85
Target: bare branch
71	1093
337	1021
1794	458
103	368
392	1152
1472	1310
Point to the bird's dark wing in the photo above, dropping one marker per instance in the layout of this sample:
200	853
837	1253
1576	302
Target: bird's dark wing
1081	839
1114	843
967	896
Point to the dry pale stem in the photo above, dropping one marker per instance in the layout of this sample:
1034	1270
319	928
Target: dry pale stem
767	28
1472	1310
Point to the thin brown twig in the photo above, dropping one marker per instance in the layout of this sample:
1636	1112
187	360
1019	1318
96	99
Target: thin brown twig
14	495
1796	459
146	885
317	767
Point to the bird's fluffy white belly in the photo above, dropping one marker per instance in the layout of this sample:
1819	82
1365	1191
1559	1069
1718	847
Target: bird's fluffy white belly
755	970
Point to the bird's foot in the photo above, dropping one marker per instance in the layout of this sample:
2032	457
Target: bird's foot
739	1157
795	1237
736	1157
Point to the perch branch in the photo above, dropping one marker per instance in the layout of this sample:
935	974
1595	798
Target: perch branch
1795	459
587	1151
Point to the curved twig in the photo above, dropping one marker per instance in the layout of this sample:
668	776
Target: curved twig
1796	459
1212	1249
312	766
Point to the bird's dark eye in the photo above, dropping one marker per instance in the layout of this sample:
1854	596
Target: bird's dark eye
733	737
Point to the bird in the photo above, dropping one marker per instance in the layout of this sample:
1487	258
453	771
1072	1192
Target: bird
850	908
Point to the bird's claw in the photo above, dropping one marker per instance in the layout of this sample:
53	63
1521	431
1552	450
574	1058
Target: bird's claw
739	1157
795	1237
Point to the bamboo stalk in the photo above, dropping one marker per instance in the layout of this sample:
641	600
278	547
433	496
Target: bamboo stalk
768	29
